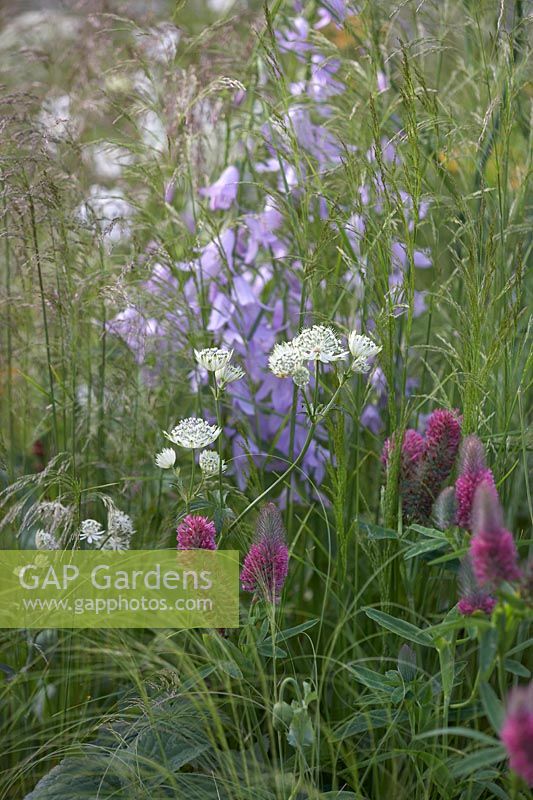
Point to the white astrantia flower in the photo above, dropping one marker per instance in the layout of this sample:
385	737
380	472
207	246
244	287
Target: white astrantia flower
301	376
228	374
45	540
119	523
284	359
362	348
210	463
193	432
166	458
212	358
116	542
91	531
319	343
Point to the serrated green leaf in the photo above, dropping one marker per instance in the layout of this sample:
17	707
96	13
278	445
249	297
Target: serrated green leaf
516	668
371	679
376	532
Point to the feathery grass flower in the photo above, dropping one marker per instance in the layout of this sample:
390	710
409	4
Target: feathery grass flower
285	359
210	463
517	732
212	358
166	458
228	374
196	533
266	565
362	348
91	531
192	433
319	343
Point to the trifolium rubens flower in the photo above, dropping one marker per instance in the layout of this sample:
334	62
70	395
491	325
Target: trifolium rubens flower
91	531
362	348
213	359
166	458
192	432
210	463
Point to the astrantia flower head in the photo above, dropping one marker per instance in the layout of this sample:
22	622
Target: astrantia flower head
228	374
301	376
212	358
192	432
267	562
285	359
91	531
319	343
166	458
45	540
362	348
517	732
196	533
120	523
210	463
492	547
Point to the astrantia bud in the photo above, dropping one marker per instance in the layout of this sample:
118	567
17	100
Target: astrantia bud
166	458
517	732
196	533
267	562
210	463
301	376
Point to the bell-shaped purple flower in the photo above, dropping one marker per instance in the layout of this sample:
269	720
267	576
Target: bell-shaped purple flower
223	192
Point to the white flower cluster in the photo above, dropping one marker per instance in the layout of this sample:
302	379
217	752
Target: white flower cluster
45	540
91	531
218	361
319	343
210	463
192	433
120	531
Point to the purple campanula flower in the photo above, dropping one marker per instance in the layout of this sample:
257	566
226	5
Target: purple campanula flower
266	565
333	12
517	732
223	192
135	329
492	547
294	39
